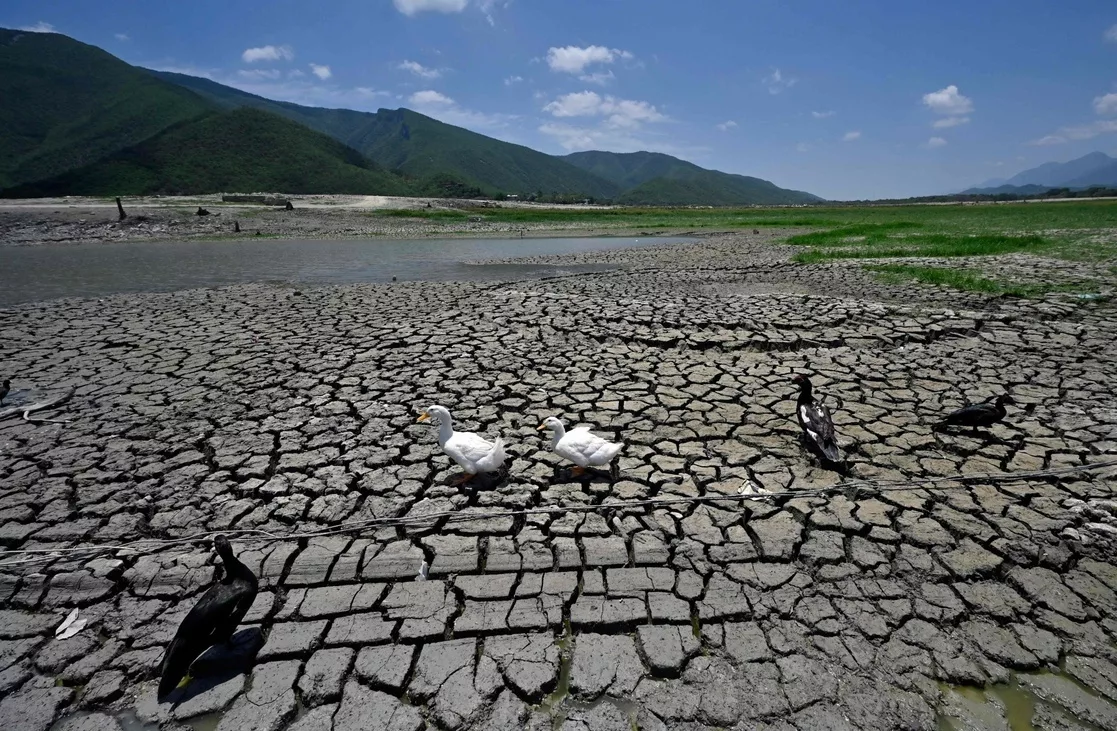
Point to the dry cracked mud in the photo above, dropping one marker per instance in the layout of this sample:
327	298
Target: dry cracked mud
660	599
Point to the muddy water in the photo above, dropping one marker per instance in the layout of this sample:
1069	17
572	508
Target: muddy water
34	273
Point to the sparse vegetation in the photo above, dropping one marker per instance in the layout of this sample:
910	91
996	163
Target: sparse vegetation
968	280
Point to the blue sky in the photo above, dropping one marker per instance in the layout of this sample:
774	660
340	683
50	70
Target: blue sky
846	99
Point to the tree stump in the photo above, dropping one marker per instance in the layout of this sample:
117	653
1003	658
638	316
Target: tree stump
236	227
120	210
288	207
201	212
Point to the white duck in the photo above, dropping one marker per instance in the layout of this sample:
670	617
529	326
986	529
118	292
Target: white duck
580	446
472	452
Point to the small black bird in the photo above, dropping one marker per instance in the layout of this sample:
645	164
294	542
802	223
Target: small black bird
4	389
974	415
814	419
213	619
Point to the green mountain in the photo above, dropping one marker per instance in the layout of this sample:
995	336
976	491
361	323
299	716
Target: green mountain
652	178
238	150
77	120
416	145
67	104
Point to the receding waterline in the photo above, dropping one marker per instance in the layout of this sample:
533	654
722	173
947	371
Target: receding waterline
36	273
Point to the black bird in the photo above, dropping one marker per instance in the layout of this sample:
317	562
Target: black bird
4	389
814	419
974	415
213	619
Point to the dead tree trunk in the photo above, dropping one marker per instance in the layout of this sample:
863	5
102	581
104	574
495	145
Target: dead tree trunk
289	207
120	210
236	227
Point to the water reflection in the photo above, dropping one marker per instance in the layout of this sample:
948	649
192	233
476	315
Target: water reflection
93	270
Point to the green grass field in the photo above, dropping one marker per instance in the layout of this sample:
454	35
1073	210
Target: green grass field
1084	230
1008	218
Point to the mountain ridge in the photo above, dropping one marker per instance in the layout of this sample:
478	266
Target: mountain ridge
1093	169
89	120
654	178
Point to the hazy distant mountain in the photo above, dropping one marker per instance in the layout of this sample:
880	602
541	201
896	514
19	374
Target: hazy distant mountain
652	178
1097	168
992	183
1105	175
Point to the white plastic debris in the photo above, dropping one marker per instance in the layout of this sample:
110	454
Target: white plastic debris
751	488
424	568
70	626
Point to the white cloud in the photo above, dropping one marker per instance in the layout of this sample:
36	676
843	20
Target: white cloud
122	37
601	77
39	27
322	72
727	125
268	53
1111	34
948	101
438	105
429	97
577	104
411	7
611	124
947	122
574	60
486	7
936	142
419	70
851	136
298	87
617	112
572	138
1079	132
1106	104
823	115
777	82
513	80
802	147
259	74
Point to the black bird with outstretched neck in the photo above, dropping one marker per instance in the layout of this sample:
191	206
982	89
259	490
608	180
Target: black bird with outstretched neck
988	413
814	419
4	389
213	619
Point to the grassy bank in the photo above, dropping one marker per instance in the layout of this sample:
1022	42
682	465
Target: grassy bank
1008	219
970	280
1082	230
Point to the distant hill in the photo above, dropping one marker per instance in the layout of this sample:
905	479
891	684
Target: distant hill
1008	189
76	120
1095	169
67	104
652	178
237	150
417	145
1105	175
1059	174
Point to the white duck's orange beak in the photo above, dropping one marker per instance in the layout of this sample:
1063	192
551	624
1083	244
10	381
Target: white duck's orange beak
542	426
423	417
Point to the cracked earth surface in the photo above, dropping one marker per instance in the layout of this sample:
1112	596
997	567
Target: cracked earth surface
264	408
